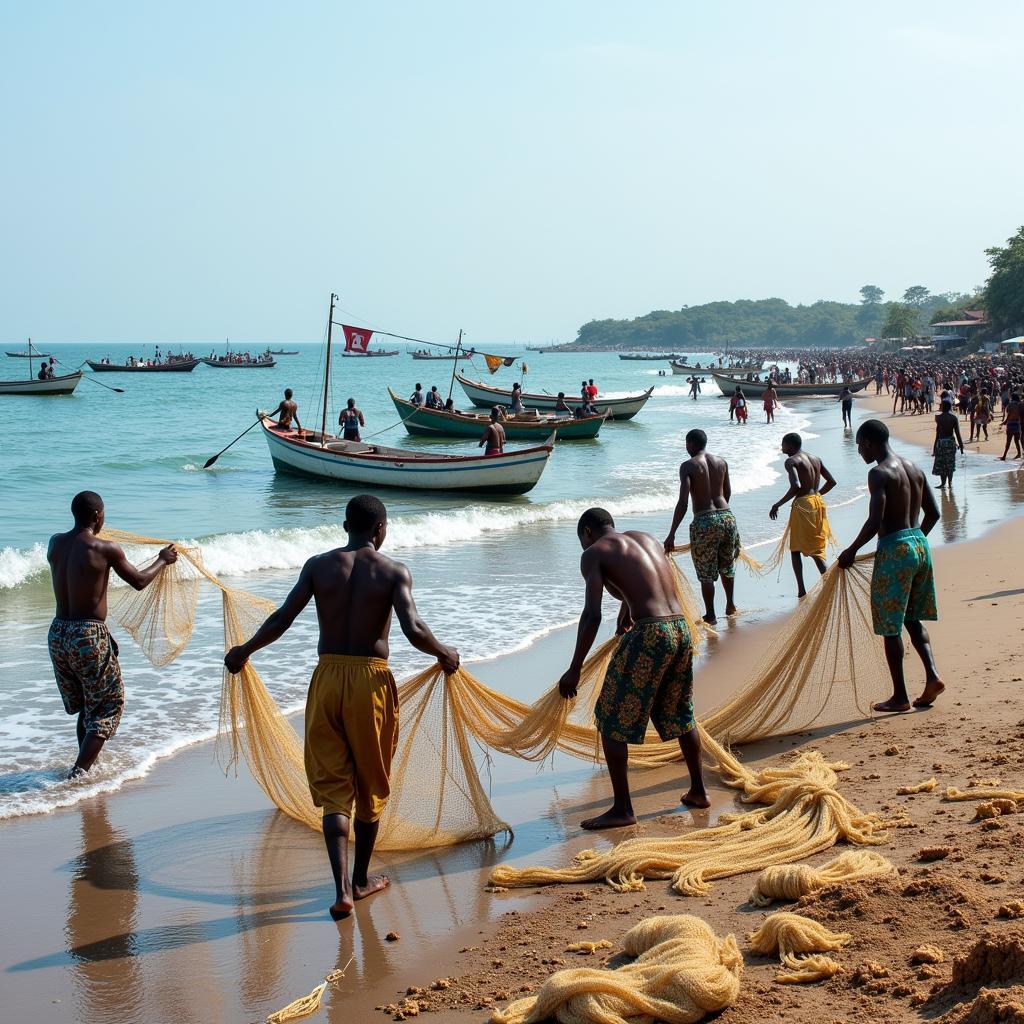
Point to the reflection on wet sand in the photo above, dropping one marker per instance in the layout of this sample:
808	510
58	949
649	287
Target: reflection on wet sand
100	930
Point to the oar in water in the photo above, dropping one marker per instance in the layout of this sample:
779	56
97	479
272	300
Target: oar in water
211	461
91	379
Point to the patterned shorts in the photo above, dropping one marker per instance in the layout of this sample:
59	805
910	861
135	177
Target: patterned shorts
945	457
715	544
902	583
84	657
650	677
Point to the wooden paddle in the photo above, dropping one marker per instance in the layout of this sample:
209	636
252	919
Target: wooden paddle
211	461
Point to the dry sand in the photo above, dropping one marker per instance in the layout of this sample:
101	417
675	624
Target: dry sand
185	898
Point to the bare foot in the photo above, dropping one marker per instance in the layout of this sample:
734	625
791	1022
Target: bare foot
800	594
340	910
610	819
931	692
730	609
891	705
695	798
710	619
374	883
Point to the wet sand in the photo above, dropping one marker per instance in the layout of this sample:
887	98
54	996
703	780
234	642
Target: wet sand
186	897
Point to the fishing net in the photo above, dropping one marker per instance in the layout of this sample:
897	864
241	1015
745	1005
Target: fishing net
818	669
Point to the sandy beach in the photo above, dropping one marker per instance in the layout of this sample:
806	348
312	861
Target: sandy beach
185	897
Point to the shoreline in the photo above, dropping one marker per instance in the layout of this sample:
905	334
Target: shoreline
189	865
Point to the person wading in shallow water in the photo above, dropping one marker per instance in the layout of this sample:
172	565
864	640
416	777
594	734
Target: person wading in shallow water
352	705
650	676
714	535
83	652
902	583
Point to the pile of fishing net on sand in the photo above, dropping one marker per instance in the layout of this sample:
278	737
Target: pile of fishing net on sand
820	668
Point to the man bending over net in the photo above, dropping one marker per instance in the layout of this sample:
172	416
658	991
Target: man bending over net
650	675
352	705
902	583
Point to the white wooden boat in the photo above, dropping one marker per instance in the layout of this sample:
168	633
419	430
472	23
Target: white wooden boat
28	355
756	389
484	396
63	385
372	465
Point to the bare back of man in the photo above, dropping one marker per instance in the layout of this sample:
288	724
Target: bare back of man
902	581
83	653
706	475
650	678
493	440
351	718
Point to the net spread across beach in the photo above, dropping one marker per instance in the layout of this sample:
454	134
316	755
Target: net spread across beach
819	668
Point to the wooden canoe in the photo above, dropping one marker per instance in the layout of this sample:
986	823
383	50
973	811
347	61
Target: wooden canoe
175	366
484	396
227	364
371	465
755	389
63	385
420	420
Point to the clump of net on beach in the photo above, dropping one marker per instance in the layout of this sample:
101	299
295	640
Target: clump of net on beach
818	669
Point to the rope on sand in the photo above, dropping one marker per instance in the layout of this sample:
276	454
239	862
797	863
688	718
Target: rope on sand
682	971
791	881
792	937
300	1007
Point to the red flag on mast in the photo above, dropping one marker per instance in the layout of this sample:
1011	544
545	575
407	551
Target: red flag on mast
357	339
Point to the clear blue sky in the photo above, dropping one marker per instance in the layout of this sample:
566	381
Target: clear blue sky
188	171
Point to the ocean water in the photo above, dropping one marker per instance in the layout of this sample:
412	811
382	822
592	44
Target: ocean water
491	575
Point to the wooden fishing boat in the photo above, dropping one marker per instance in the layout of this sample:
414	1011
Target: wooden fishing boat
370	355
371	465
29	355
63	385
172	366
638	357
420	420
484	396
756	389
250	364
466	354
680	368
283	351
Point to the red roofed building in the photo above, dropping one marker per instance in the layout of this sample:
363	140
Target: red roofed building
947	333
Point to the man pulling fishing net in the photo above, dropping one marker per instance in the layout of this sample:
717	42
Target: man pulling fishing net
650	676
352	706
808	527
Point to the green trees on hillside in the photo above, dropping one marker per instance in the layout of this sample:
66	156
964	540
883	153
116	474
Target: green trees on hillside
1004	291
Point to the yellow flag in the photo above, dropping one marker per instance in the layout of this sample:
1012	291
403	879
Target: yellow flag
493	363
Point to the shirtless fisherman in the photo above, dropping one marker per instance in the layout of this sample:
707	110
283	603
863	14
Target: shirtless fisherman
902	583
494	435
714	535
286	411
352	705
651	674
808	520
83	652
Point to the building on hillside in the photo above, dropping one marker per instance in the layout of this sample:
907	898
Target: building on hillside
954	333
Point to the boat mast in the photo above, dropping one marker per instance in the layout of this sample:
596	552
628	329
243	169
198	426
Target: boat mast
327	374
455	363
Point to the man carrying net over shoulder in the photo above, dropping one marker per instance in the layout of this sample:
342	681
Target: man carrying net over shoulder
650	676
352	705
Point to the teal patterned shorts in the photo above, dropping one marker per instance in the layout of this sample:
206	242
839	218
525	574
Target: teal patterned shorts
650	677
902	583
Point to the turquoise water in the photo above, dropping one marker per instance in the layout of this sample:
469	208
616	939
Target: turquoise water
491	575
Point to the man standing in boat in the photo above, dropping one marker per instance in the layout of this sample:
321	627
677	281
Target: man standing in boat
494	435
286	411
83	652
352	707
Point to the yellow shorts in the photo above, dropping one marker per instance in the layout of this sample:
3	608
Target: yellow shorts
351	735
808	526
